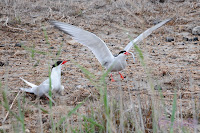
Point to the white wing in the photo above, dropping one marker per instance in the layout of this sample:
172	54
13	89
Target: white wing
145	34
30	84
94	43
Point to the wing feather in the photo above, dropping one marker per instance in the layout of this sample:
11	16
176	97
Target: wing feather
144	35
94	43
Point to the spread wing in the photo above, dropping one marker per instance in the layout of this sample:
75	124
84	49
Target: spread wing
145	34
94	43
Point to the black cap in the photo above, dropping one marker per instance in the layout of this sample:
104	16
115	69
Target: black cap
123	51
57	64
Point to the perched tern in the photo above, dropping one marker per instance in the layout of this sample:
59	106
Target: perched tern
98	46
43	88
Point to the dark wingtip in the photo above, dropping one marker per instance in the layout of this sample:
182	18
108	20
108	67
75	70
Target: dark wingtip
53	22
169	19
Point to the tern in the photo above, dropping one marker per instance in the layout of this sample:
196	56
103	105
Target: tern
99	47
43	88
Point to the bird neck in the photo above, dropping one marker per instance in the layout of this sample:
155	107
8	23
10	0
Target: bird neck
121	56
56	71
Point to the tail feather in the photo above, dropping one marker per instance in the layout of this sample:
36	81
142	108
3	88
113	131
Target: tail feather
30	90
30	84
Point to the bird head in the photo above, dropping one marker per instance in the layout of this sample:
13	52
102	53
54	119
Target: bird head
124	52
58	63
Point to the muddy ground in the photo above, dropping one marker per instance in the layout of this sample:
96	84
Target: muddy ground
171	65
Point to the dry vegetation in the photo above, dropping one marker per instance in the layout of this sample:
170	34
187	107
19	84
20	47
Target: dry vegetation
135	104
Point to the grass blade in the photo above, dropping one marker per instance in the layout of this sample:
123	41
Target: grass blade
71	112
173	113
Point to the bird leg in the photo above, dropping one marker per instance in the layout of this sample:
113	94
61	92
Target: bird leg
46	98
112	80
121	75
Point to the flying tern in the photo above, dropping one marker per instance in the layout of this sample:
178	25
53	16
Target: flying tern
43	88
99	47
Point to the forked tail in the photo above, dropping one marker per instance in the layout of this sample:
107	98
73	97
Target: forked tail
30	84
30	90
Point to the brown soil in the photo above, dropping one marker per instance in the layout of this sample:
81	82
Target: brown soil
170	65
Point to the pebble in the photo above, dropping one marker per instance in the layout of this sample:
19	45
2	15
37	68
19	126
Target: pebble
195	39
161	1
156	22
72	42
2	64
169	39
196	30
187	39
18	45
75	46
178	0
51	47
79	86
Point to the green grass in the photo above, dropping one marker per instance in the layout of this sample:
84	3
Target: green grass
174	106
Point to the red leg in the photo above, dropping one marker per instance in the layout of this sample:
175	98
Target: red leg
121	75
47	98
112	80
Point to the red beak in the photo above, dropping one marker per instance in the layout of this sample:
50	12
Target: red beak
126	53
64	62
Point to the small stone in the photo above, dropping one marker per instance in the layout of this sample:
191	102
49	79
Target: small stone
90	86
62	73
18	45
51	47
44	120
72	42
195	39
169	39
107	33
185	39
156	22
27	131
196	30
161	1
75	46
178	0
2	64
190	40
79	86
